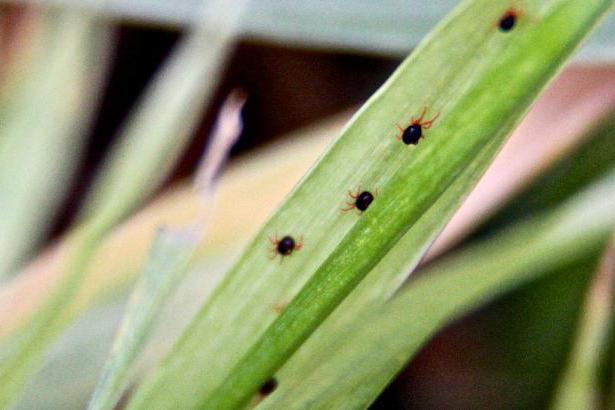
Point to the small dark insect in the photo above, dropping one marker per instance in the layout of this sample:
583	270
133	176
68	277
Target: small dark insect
268	387
413	133
509	19
360	200
284	246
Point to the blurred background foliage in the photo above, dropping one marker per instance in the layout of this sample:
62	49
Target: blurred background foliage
303	70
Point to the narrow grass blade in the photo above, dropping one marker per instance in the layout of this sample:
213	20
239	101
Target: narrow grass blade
365	356
162	124
373	236
608	367
168	262
169	259
579	387
42	125
481	82
135	169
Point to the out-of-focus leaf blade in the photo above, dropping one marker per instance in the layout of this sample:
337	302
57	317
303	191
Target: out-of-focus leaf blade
579	387
169	259
168	263
150	142
161	126
42	125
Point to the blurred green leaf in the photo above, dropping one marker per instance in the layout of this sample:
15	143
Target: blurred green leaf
168	261
150	142
532	365
607	367
72	366
481	81
162	124
579	387
42	125
167	264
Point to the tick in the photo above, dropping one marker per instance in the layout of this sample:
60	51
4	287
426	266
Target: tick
412	134
285	246
360	200
268	387
509	19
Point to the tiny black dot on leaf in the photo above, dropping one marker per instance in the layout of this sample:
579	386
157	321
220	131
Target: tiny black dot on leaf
268	387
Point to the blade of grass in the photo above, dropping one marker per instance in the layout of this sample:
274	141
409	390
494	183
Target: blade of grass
496	78
169	258
135	169
389	274
171	106
172	251
386	277
42	126
608	365
352	369
373	236
579	387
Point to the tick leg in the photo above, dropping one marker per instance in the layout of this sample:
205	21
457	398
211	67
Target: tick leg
401	132
421	117
349	205
427	124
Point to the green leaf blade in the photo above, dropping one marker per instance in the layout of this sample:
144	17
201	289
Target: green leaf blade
354	367
38	157
168	261
480	97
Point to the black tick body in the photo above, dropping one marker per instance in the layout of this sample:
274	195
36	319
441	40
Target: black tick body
363	200
412	134
268	387
360	200
507	22
286	245
509	19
